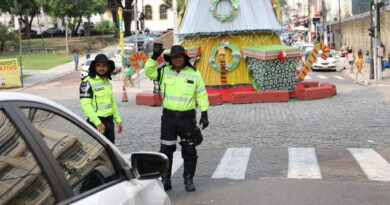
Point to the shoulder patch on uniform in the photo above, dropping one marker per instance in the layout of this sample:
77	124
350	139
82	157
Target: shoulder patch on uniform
85	90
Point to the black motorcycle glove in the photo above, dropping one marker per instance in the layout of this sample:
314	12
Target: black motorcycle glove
204	120
157	50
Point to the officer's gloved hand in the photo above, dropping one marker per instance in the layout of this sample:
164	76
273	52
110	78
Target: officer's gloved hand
204	120
157	50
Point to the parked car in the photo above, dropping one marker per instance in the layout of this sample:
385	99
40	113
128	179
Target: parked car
85	68
51	156
52	31
329	64
24	31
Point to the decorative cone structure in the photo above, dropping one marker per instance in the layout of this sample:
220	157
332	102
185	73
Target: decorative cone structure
124	94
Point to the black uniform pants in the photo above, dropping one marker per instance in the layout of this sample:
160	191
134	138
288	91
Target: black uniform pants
173	124
109	131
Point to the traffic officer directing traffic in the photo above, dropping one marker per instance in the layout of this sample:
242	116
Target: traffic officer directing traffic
181	84
97	99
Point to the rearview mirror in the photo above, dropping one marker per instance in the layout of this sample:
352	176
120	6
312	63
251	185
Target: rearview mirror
148	165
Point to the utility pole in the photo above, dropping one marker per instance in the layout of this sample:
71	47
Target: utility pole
175	26
372	76
325	33
310	22
341	33
378	40
136	38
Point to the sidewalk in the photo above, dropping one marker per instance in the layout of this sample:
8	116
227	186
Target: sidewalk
366	73
43	76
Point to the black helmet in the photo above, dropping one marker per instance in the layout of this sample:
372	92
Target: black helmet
101	58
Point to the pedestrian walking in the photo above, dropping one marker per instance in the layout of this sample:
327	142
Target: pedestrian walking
88	55
128	77
351	59
358	67
76	60
181	84
97	100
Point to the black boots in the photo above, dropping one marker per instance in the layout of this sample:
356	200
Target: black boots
166	181
189	184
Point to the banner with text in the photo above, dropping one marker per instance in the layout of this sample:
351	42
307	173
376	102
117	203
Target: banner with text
9	73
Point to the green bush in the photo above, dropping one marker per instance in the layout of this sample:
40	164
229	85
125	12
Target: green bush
104	27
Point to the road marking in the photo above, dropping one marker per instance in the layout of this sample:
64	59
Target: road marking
373	164
177	161
322	77
302	163
233	164
308	77
339	77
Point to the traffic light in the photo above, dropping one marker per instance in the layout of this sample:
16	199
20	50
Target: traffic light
371	32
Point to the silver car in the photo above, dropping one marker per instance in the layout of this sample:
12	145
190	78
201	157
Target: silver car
48	155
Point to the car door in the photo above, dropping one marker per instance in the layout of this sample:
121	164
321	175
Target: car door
92	169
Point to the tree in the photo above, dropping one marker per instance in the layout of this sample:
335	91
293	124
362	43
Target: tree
26	10
128	14
6	35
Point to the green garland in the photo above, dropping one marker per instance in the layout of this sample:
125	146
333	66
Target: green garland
223	18
236	57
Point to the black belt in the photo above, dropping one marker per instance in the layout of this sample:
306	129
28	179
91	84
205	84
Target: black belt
179	114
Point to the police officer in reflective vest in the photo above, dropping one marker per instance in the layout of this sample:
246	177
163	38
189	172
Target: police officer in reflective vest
181	84
97	99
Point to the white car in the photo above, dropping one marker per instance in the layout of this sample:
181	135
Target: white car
51	156
329	64
85	68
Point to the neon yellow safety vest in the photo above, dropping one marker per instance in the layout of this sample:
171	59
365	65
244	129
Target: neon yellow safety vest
179	89
97	99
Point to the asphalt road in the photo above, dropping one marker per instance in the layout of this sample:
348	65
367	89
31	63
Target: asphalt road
357	117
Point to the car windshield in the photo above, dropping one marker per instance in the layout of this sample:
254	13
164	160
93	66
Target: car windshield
330	55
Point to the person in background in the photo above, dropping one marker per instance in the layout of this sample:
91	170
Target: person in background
76	60
351	59
358	67
128	77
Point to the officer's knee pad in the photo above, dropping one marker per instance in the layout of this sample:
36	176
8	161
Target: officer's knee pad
168	150
189	152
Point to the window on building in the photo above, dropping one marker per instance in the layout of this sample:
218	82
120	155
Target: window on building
163	12
148	12
21	179
84	160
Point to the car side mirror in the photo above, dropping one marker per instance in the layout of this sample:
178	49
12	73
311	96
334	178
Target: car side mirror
148	165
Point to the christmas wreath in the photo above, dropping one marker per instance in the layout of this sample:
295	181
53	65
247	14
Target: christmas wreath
222	18
235	52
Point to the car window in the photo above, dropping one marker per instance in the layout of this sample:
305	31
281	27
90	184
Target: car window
21	179
85	162
88	63
319	54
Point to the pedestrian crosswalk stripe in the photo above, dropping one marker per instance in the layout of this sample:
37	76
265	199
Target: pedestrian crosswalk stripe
339	77
177	161
374	165
322	77
233	164
303	164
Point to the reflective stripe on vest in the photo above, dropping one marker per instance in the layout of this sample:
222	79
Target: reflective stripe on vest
181	99
200	89
184	75
102	106
101	84
168	142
